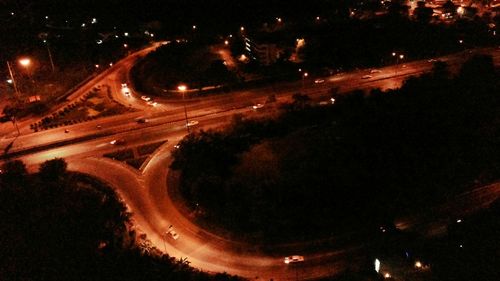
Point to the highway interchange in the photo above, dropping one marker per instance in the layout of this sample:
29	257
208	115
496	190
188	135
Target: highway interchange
145	191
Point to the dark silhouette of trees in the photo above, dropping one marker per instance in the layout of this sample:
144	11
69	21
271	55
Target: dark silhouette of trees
53	169
58	225
365	158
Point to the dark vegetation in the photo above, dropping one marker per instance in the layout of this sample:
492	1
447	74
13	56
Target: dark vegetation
58	225
351	166
191	63
470	249
361	43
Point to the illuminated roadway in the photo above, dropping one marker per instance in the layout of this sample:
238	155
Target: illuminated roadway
147	197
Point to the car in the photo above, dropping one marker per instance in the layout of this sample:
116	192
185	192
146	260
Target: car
319	81
99	127
432	60
66	131
172	232
177	146
152	103
192	123
142	120
117	142
124	85
146	98
294	259
258	106
126	92
366	76
375	71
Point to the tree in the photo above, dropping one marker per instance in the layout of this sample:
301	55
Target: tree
14	172
440	70
423	13
53	169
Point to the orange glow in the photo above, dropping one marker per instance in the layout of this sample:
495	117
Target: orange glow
182	88
25	62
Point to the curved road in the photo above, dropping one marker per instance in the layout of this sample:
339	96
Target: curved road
148	198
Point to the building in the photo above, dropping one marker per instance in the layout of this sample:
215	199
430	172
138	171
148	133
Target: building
266	53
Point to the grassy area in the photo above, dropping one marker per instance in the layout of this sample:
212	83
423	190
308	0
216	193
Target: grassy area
135	160
95	104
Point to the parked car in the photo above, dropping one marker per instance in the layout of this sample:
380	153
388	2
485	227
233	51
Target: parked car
142	120
146	98
172	233
375	71
319	81
192	123
294	259
366	76
258	106
118	142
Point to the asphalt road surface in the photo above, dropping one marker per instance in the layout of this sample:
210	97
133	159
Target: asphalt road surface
146	192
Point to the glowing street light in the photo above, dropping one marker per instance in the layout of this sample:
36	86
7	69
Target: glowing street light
418	264
25	62
182	88
226	42
304	76
398	58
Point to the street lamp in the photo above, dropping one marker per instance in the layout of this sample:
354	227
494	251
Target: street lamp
13	81
398	58
182	88
27	63
304	76
50	55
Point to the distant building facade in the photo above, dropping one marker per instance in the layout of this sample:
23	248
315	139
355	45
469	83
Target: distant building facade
264	52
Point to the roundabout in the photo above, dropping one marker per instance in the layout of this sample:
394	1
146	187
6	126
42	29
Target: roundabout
147	192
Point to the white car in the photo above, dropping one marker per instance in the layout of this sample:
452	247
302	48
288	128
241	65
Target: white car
258	106
366	77
146	98
124	85
319	81
375	71
294	259
172	233
192	123
117	142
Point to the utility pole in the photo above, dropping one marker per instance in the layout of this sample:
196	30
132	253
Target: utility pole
13	80
185	112
183	89
50	57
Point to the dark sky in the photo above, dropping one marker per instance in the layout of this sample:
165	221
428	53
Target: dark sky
210	11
